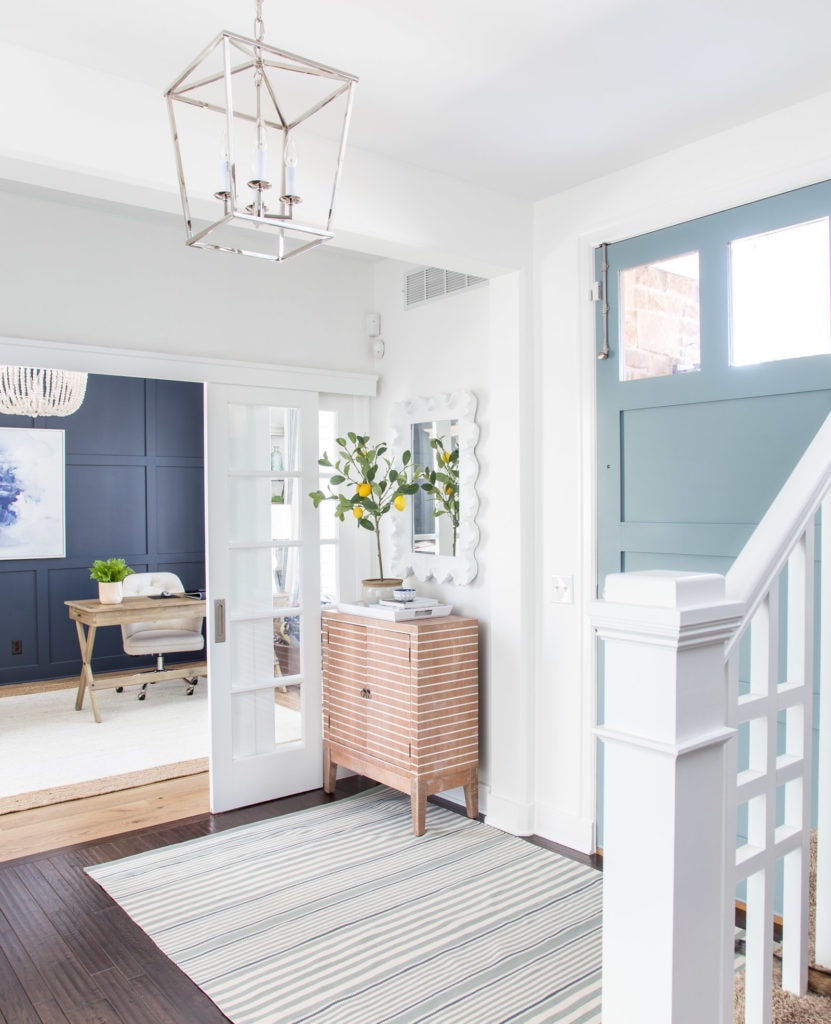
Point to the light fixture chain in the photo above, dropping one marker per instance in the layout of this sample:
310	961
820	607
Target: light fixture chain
259	34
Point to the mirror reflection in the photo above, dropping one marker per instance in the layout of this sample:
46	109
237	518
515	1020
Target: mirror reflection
435	509
437	539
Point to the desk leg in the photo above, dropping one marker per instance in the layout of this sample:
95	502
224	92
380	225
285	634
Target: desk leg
86	640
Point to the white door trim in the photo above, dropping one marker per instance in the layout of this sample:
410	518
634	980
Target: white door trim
170	366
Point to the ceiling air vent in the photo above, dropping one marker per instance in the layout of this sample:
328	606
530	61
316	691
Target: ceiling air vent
428	283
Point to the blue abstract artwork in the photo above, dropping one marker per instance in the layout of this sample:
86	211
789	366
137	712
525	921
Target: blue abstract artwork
31	493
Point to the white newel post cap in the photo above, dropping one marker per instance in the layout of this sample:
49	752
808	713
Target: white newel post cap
667	837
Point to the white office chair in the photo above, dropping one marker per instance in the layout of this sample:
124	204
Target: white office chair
181	633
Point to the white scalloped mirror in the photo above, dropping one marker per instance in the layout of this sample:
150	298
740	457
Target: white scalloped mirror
426	544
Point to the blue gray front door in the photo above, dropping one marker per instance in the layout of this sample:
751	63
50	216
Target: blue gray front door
695	437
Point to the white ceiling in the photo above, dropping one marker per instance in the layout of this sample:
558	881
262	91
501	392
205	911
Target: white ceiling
523	96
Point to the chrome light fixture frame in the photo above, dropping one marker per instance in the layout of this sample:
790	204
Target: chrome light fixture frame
195	88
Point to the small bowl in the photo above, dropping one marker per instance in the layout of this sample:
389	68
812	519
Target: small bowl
404	594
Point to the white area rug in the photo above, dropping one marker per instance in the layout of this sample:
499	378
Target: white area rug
49	751
340	915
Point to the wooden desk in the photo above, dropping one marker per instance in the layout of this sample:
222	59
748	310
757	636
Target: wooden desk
89	615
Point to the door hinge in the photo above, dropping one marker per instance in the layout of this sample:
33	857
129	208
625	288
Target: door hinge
410	651
409	750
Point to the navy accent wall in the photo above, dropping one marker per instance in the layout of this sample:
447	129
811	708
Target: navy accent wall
134	489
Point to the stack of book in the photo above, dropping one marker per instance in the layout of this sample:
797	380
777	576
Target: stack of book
400	611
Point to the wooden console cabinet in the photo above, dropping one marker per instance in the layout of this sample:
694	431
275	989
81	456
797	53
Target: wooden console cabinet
400	705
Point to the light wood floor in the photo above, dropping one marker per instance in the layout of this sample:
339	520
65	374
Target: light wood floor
96	817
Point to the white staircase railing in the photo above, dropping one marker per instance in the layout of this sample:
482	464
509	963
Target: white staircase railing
693	663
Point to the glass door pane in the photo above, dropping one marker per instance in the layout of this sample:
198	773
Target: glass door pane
267	567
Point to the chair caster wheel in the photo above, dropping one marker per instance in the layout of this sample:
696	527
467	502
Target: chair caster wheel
142	695
119	689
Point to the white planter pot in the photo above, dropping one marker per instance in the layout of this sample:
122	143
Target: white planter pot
110	593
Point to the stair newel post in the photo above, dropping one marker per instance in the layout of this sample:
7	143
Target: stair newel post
669	818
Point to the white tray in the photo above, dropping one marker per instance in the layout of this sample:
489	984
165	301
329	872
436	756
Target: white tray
402	614
417	602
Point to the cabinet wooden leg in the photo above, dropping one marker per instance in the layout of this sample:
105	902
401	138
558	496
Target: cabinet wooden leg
330	771
418	806
472	797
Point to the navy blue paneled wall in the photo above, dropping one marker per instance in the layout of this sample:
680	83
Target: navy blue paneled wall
134	489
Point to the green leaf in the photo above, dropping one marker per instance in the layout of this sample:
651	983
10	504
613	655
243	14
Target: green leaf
317	497
366	524
335	480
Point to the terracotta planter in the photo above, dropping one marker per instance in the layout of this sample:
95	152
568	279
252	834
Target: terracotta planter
111	593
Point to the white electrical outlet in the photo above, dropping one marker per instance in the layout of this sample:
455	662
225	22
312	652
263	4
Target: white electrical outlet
562	589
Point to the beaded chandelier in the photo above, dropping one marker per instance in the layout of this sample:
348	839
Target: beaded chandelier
30	391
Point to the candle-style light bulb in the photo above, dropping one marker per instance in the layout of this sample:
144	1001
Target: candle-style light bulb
260	157
225	169
290	160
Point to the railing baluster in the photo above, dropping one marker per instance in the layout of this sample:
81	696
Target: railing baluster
822	954
798	745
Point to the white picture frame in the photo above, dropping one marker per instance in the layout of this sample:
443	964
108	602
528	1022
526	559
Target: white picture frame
32	493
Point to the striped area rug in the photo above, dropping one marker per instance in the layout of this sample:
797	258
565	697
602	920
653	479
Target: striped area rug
340	915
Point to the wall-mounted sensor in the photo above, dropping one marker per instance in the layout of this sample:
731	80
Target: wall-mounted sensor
379	348
373	325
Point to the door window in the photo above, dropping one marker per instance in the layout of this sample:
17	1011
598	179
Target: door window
779	294
659	318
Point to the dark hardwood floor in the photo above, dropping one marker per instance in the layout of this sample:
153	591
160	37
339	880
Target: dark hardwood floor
69	955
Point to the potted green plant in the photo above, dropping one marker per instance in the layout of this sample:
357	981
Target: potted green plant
442	483
367	485
110	573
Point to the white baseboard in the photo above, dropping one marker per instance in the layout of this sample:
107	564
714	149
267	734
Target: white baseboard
559	826
509	816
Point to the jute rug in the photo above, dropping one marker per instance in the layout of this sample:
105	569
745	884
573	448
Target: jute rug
49	752
339	915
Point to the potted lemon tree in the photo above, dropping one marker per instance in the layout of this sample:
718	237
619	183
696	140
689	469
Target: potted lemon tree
367	485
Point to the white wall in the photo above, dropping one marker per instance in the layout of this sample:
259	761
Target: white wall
436	347
109	275
782	151
472	340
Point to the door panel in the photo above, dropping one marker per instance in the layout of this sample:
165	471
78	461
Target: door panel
264	584
689	460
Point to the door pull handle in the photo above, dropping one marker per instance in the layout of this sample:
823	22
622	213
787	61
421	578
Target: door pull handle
219	622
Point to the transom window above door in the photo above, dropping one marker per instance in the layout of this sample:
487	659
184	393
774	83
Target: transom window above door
780	302
757	297
660	327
